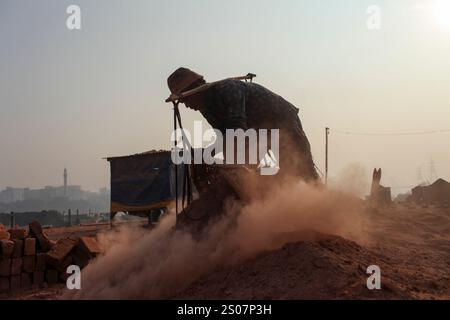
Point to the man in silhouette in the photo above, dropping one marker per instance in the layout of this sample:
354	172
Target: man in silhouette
234	104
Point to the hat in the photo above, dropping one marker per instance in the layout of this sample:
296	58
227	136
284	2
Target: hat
182	79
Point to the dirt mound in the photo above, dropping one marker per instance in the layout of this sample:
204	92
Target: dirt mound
329	268
409	244
267	254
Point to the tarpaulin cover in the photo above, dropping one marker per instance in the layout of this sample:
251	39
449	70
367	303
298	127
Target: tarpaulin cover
142	182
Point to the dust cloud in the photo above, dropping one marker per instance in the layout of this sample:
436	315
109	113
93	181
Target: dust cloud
139	264
353	178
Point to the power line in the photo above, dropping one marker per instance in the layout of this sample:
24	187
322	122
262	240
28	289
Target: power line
391	133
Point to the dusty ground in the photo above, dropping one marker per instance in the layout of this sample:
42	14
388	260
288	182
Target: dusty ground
43	293
411	245
417	243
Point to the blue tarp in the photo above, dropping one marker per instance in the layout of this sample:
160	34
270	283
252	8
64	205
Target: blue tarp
143	181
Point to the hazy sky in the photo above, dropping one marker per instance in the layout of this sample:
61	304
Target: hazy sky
70	98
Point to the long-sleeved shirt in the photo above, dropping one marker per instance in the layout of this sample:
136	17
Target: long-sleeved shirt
233	104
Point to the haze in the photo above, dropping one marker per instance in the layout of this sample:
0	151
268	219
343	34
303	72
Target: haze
70	98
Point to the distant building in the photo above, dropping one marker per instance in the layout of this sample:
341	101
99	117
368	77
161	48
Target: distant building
12	195
103	191
435	193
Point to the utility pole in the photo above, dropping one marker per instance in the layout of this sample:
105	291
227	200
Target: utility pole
327	132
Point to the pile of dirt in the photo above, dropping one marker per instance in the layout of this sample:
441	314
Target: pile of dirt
409	244
329	268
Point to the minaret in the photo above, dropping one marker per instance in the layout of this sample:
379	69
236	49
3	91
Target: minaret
65	182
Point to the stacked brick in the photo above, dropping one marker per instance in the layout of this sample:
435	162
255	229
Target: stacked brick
30	259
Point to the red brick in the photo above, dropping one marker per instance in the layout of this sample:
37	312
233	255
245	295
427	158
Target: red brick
60	251
18	248
80	257
5	267
14	282
62	267
51	276
16	266
4	235
29	264
29	247
25	280
63	276
38	277
40	262
36	231
91	245
4	284
19	234
6	248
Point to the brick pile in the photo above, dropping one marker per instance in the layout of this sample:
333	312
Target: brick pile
31	259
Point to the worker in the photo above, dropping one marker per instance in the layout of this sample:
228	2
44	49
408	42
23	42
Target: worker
234	104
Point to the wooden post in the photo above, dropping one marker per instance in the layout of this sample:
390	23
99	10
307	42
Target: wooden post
175	106
12	222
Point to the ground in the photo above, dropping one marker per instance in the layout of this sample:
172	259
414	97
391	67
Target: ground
410	244
416	242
